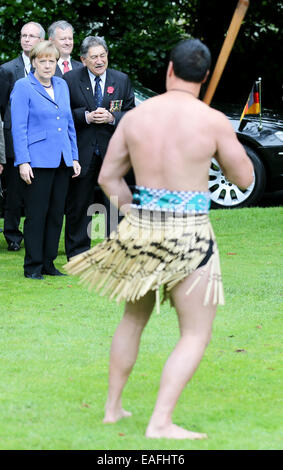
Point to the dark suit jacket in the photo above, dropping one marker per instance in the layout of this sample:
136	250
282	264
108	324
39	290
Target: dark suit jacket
10	72
117	87
75	65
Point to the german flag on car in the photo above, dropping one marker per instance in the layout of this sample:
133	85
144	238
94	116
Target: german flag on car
253	103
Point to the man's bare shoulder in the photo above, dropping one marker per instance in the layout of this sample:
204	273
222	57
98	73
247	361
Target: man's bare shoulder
217	115
155	101
140	111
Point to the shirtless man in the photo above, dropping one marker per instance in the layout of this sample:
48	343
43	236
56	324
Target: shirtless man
169	141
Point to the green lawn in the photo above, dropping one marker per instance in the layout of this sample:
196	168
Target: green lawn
55	339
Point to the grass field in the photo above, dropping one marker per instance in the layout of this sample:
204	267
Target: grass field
55	338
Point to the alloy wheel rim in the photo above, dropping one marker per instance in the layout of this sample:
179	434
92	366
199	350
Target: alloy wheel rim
223	192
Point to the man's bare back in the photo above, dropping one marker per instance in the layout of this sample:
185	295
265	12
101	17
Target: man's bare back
169	152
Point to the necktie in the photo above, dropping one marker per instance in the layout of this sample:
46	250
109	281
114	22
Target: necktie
97	104
97	93
66	66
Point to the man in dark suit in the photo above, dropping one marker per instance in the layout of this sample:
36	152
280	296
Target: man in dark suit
10	72
99	98
62	34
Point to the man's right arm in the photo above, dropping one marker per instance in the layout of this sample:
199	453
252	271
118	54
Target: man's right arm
115	166
78	108
5	88
231	155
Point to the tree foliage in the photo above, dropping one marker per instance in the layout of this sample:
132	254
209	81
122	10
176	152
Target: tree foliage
140	33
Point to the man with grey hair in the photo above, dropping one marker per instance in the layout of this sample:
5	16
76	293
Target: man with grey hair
99	98
62	34
10	72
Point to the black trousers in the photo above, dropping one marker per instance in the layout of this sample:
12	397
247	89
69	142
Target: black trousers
44	210
84	199
13	207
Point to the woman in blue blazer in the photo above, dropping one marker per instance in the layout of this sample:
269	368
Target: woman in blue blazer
46	151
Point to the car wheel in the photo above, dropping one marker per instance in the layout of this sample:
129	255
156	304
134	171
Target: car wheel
226	195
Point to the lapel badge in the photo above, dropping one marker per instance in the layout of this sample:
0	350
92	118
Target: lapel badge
115	105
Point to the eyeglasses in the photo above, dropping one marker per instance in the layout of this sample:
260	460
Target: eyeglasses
31	36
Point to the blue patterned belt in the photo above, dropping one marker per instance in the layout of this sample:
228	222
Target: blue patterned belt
191	202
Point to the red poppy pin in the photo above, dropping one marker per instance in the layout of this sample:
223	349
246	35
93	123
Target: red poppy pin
110	90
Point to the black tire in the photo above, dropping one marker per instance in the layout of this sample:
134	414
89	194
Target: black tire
225	195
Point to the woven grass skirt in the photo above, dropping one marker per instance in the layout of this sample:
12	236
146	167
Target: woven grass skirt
151	249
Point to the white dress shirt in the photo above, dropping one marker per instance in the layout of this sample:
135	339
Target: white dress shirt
27	64
61	65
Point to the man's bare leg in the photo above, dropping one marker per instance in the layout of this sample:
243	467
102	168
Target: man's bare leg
123	353
195	322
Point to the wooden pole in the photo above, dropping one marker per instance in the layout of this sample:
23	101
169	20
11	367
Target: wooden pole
232	33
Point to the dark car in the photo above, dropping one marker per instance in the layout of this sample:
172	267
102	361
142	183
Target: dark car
263	142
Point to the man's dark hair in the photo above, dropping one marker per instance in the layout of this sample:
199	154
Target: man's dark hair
191	60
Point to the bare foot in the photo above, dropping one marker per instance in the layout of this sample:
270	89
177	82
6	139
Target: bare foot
113	417
172	431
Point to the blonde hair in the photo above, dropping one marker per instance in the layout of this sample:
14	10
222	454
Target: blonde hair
44	48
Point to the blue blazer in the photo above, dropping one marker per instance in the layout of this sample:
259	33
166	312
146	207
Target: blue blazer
42	129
